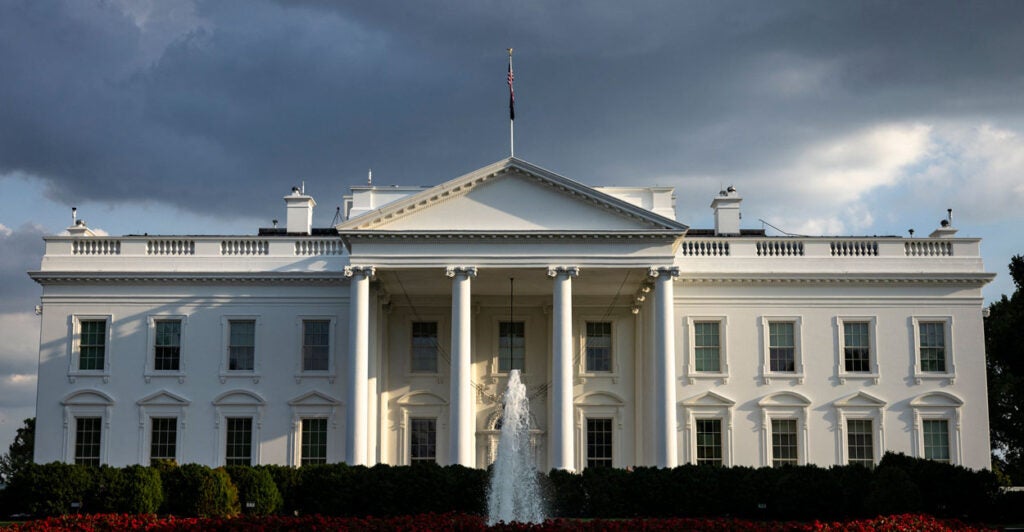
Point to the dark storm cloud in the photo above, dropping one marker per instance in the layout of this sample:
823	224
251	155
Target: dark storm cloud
21	249
265	94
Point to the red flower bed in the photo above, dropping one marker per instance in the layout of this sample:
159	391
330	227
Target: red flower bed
463	522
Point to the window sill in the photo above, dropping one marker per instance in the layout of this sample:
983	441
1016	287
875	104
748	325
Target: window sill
150	375
87	374
922	376
612	376
767	378
315	375
240	375
694	376
856	376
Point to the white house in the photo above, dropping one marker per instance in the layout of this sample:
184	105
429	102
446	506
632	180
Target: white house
389	338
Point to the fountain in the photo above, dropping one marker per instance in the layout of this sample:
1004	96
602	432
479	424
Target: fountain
514	494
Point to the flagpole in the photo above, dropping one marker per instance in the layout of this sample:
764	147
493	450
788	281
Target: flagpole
511	110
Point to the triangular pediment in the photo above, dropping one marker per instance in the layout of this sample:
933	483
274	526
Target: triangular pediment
859	399
164	398
314	398
708	399
511	195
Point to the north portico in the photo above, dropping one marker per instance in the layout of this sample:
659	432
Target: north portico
563	255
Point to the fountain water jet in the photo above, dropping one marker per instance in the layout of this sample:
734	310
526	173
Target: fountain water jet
514	494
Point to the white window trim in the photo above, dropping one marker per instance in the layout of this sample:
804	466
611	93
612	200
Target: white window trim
443	334
581	348
599	405
528	326
237	403
691	360
487	440
938	405
75	337
331	373
860	406
225	361
874	374
422	404
798	360
150	371
314	405
784	405
161	404
708	405
950	373
86	403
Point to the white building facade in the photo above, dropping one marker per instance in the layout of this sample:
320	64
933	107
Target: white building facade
389	338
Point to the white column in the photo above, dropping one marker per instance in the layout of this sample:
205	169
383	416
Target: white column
561	368
356	412
463	425
665	438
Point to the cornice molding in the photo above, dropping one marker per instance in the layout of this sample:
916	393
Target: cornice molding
56	278
972	279
508	235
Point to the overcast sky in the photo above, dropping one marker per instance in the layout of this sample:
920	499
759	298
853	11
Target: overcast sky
846	117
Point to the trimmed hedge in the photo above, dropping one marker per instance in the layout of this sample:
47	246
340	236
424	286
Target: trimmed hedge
899	484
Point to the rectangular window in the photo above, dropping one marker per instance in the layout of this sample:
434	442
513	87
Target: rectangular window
709	442
92	344
511	346
707	346
314	441
316	348
859	442
599	442
88	432
239	441
784	442
599	346
163	439
856	347
933	346
424	347
242	345
936	439
782	346
422	440
167	348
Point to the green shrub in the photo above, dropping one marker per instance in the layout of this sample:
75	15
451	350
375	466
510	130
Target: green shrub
288	481
257	493
197	490
108	486
143	492
50	489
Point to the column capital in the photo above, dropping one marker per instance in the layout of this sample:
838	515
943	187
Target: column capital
452	271
366	271
571	271
669	271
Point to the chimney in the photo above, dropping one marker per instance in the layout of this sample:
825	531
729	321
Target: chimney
727	211
945	229
300	212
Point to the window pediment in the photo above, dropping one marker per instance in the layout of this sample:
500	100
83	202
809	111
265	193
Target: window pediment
314	398
861	399
708	399
87	397
784	399
164	398
239	397
936	399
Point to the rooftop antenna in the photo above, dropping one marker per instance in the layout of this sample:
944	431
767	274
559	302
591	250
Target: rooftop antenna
776	228
337	216
303	187
369	176
911	231
74	215
949	216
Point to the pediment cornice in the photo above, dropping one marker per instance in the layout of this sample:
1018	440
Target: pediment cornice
462	185
970	279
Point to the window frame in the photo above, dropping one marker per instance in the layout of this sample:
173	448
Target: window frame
162	404
585	345
77	429
302	444
692	374
874	372
586	459
332	349
226	372
310	405
74	347
177	440
151	326
784	405
860	406
83	404
238	403
947	326
938	405
252	440
707	405
798	363
412	348
593	405
411	422
422	404
497	346
925	423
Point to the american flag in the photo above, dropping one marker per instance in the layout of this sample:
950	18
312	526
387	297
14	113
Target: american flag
511	93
